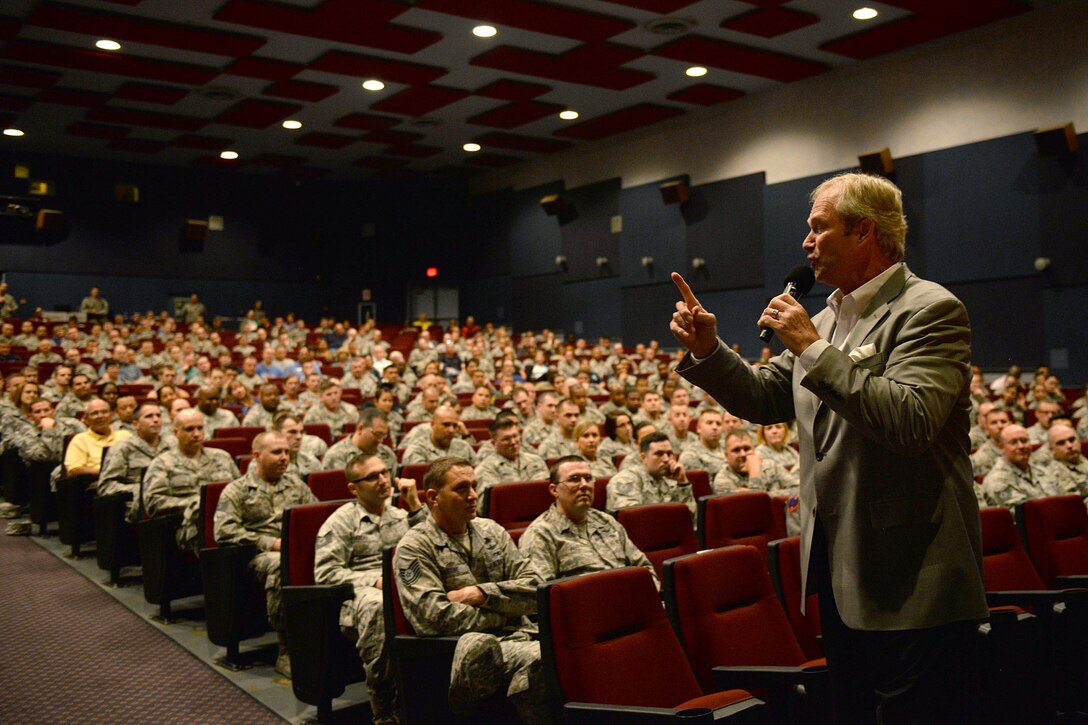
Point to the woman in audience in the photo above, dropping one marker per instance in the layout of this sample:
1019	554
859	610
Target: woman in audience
109	392
773	442
619	436
588	437
239	395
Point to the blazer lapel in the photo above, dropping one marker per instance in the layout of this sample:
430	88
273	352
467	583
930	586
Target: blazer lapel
877	309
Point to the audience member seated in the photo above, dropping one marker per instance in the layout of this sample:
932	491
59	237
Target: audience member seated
746	469
619	436
40	437
332	411
269	405
989	453
127	461
84	454
1044	414
508	462
1065	469
773	443
75	401
481	407
561	441
208	399
443	440
1012	480
372	429
658	478
587	435
303	462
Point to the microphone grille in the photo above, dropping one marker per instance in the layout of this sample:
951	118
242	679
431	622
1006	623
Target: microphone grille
802	276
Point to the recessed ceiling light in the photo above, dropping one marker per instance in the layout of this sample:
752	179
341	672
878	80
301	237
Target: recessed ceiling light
292	125
228	155
485	31
108	45
865	14
373	85
471	147
568	115
696	71
13	132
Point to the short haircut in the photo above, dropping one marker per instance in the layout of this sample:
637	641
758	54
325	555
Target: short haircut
371	414
553	472
328	385
281	417
435	478
649	440
738	433
357	462
502	423
146	403
867	196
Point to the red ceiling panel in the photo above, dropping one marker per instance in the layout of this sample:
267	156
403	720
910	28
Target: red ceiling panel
257	114
739	58
103	62
9	27
515	142
508	90
143	30
933	21
657	6
325	140
300	90
358	22
770	22
493	161
134	117
705	94
280	160
611	124
596	64
380	162
513	115
539	17
147	93
420	101
11	75
15	104
266	68
392	138
366	122
131	3
73	97
365	66
414	151
135	145
96	130
204	143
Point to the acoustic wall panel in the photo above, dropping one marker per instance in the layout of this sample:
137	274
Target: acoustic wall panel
585	228
537	302
725	228
1005	317
785	224
488	299
1063	215
1066	334
592	308
534	236
650	229
489	255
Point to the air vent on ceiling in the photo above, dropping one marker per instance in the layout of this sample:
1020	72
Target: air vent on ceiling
219	93
669	26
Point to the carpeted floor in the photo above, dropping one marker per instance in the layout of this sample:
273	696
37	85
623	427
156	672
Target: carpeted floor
72	654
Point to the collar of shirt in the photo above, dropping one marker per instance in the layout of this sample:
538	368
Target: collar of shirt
848	308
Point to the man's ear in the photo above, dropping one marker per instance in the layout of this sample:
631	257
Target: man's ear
864	229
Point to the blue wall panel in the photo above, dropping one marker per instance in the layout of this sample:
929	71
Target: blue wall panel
1005	319
585	227
592	309
534	236
1063	189
651	228
725	227
489	255
537	302
488	299
1066	334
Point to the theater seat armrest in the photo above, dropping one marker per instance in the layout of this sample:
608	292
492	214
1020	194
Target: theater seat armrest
768	678
410	646
587	713
1072	581
318	594
1039	601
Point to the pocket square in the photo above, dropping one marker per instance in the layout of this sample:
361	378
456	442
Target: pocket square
860	353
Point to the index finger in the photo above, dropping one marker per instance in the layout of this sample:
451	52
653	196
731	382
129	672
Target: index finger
685	290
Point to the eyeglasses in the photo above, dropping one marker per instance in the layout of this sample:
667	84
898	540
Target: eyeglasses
580	478
372	477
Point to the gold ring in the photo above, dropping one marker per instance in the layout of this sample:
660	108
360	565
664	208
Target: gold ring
775	314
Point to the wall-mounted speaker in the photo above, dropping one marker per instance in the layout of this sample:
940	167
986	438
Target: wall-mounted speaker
553	204
50	220
192	237
1056	140
877	162
675	192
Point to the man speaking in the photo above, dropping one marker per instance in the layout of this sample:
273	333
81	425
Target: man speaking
878	383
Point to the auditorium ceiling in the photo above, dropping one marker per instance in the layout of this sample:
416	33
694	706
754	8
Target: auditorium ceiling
194	78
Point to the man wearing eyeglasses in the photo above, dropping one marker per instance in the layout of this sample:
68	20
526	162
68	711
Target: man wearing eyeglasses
572	537
349	551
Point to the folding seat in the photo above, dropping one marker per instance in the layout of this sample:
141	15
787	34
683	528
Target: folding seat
515	505
116	541
660	530
235	445
416	471
1056	533
234	601
479	424
600	492
16	487
168	572
784	560
609	655
321	430
736	634
329	485
700	483
745	517
323	660
75	513
249	432
43	502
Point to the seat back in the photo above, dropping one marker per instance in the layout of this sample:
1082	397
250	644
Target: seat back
600	492
1005	562
329	485
745	517
236	447
209	500
416	471
594	627
300	526
321	430
395	620
784	562
1056	531
515	505
661	530
725	612
700	483
249	432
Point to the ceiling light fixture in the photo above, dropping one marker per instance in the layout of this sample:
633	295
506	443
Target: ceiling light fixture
373	85
13	132
107	45
865	14
696	71
292	125
485	31
228	155
472	147
568	115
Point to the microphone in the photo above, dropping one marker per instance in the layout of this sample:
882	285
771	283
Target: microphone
798	282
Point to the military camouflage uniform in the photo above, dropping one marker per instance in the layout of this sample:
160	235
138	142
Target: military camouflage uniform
259	415
1007	485
223	418
556	445
173	481
124	468
366	385
983	459
37	445
315	446
635	486
496	645
252	382
787	459
250	511
474	413
349	551
559	547
426	451
678	443
772	479
417	434
70	406
1059	478
536	431
343	451
697	457
497	469
302	466
611	448
602	466
345	414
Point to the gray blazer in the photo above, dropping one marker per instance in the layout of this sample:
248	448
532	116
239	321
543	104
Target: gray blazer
884	444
